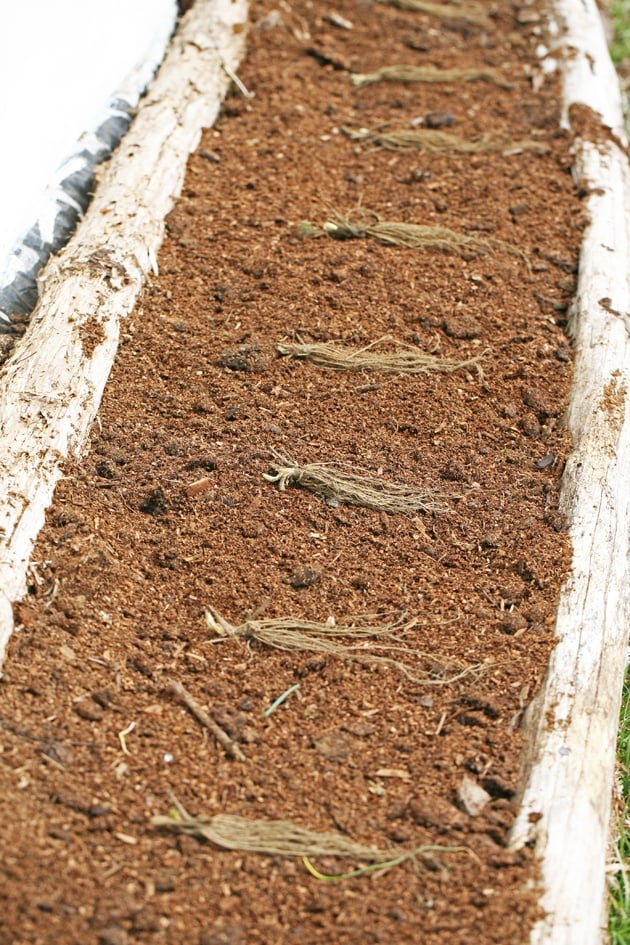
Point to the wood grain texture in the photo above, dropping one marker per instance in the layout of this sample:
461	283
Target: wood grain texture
51	387
569	761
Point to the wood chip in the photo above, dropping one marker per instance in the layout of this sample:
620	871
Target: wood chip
472	796
201	485
394	773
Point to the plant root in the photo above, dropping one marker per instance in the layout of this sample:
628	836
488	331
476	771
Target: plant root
339	486
441	142
294	634
365	224
468	12
283	838
407	360
403	73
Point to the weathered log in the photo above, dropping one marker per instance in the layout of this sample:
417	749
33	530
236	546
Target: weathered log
51	387
569	761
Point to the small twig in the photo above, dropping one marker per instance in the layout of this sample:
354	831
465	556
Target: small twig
202	716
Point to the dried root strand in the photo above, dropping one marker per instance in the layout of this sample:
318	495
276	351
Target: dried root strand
282	838
294	634
407	360
441	142
469	12
403	73
339	486
270	837
365	224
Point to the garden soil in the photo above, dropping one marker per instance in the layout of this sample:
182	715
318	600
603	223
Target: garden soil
169	514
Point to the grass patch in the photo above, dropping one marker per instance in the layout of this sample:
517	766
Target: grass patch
441	142
365	224
619	908
620	44
469	12
620	53
407	360
340	486
406	74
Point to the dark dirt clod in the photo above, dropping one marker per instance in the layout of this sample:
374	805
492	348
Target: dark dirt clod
154	503
113	935
461	326
89	711
247	358
439	119
305	577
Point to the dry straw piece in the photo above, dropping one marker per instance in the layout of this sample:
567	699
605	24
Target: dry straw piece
430	74
365	224
406	360
339	486
441	142
283	838
311	636
470	12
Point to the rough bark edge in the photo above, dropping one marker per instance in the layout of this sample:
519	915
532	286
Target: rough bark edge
567	767
51	387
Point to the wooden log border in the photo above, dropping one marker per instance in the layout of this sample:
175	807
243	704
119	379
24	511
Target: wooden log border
568	765
51	386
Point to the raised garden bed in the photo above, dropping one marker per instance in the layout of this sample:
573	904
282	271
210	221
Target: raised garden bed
149	614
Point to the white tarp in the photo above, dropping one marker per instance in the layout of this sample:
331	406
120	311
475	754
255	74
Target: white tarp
67	70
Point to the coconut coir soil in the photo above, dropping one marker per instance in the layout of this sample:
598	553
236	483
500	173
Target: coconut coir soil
129	561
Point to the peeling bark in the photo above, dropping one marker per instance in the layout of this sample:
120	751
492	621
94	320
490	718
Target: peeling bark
569	761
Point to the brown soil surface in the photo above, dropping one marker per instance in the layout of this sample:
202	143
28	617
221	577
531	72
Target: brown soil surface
129	560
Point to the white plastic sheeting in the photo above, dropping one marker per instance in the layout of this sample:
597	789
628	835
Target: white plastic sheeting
70	76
